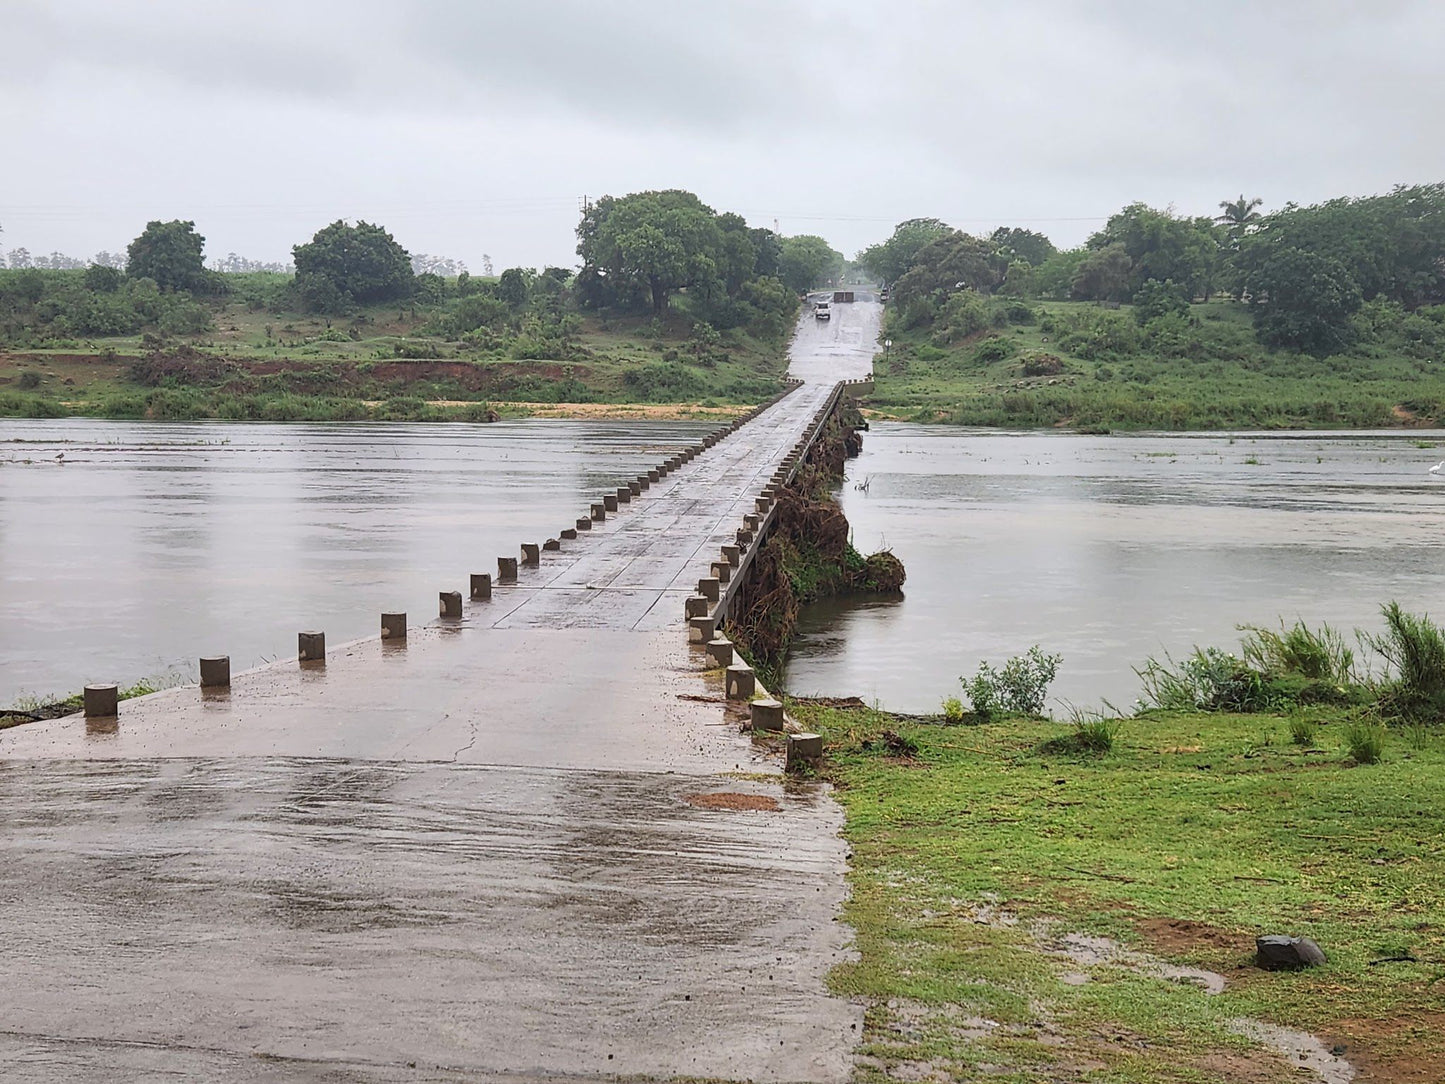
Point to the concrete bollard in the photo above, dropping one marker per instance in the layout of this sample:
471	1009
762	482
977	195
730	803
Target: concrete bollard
643	483
583	525
569	533
739	682
101	701
531	554
215	671
733	555
766	714
697	450
552	545
599	512
481	585
311	647
449	605
624	494
752	521
694	606
393	626
722	571
763	503
709	588
634	489
506	570
804	751
609	502
701	629
721	651
654	476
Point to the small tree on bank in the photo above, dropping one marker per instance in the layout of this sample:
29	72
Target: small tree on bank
346	265
171	254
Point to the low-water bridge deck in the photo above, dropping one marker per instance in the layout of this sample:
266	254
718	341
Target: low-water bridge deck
479	850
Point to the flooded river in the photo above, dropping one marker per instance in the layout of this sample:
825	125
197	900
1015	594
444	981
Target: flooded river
1111	549
151	544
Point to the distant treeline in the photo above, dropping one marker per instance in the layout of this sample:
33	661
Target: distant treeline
1306	273
639	252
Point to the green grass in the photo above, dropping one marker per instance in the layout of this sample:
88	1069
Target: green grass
256	364
1224	379
1196	819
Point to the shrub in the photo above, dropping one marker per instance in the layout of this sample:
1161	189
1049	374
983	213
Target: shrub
1206	680
1021	686
1042	365
29	380
1096	735
952	709
1321	656
1365	742
982	693
1302	731
1413	648
993	349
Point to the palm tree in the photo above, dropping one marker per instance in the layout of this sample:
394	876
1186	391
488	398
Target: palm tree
1239	213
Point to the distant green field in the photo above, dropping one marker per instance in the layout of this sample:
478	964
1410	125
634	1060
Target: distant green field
380	362
1049	363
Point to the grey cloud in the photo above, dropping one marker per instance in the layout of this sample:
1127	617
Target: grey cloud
476	124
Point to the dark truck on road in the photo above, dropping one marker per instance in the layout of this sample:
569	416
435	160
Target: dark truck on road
842	296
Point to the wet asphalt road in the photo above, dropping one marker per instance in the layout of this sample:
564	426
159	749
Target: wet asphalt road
473	857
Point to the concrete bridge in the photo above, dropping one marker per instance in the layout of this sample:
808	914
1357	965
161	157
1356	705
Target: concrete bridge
522	839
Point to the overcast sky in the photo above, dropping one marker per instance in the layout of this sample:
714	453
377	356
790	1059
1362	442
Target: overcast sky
473	126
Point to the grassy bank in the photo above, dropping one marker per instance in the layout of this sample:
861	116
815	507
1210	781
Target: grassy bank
1044	363
978	852
240	357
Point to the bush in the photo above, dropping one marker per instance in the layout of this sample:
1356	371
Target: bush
1365	742
1020	687
1414	652
1207	680
664	381
993	349
1302	731
952	710
1321	656
29	380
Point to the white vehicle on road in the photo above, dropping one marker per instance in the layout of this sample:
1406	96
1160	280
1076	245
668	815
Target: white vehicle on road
822	311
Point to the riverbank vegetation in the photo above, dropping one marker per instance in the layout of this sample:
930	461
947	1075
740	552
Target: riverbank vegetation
1034	898
1324	316
809	553
674	304
1026	912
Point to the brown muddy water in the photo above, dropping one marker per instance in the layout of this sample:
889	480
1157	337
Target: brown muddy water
1109	549
152	544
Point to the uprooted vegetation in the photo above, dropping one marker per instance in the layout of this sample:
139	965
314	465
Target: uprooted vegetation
809	553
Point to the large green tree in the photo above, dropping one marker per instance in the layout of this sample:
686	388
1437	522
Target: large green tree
171	254
344	265
1303	300
1163	246
808	261
1020	244
890	259
954	262
653	242
1391	246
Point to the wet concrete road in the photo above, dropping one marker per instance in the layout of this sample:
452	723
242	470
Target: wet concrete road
471	857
